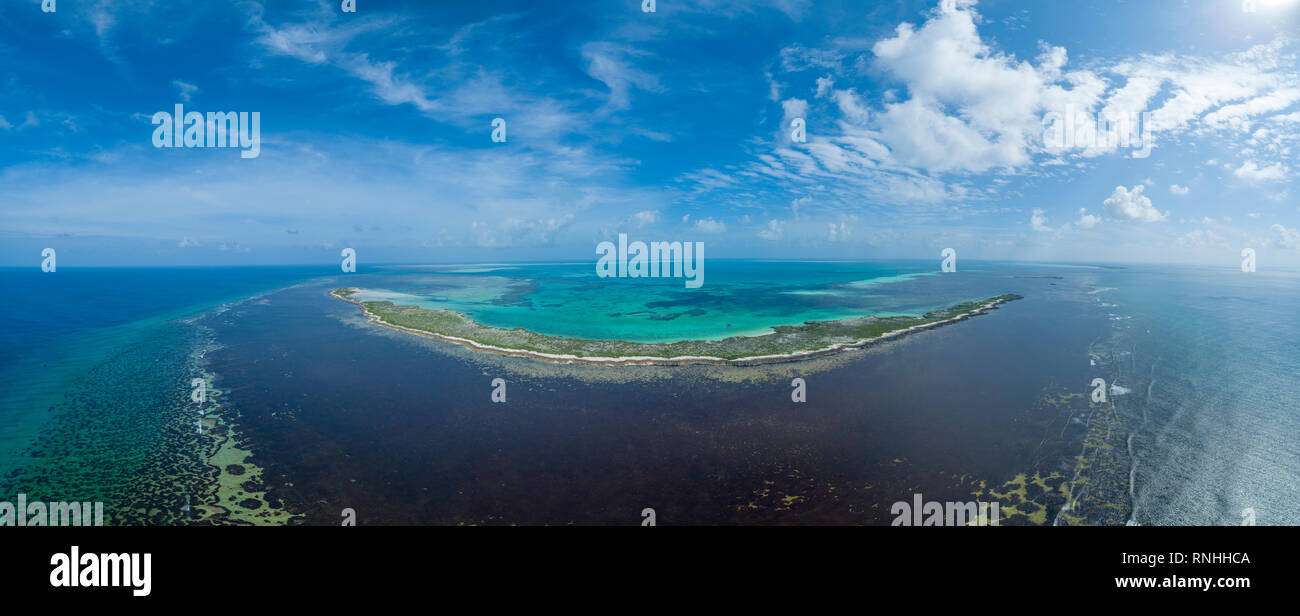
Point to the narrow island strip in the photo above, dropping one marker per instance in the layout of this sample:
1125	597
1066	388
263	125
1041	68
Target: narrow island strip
786	343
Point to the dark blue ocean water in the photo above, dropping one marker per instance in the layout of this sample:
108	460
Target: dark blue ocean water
41	306
60	326
1203	420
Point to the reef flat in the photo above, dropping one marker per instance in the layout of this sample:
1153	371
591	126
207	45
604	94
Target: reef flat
786	342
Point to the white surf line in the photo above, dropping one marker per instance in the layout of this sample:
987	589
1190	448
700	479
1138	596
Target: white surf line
1133	464
1132	475
646	360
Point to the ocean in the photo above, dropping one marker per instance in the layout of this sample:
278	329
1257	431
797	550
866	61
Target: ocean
310	410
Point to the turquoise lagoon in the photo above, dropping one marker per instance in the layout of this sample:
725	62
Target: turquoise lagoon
739	298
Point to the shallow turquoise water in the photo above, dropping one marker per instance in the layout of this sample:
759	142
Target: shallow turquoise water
737	298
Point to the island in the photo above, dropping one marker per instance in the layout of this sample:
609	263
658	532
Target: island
785	343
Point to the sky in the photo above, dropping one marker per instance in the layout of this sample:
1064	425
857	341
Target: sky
926	125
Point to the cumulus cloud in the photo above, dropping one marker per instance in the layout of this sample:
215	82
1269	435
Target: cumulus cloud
1287	238
647	217
797	203
538	230
1038	221
774	231
852	108
1252	172
913	118
971	107
840	232
709	225
824	85
1126	204
1086	220
946	65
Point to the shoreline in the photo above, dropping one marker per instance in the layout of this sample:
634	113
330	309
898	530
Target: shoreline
684	360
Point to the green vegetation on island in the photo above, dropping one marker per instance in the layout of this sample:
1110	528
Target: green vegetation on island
805	340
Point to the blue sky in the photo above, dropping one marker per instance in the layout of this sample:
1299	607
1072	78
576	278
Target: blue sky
925	130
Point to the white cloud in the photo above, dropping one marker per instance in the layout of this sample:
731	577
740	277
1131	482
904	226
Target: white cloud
647	217
1038	221
391	88
1253	172
731	9
971	107
1201	238
709	225
1179	190
319	43
824	85
534	231
945	64
184	90
1086	220
850	106
840	232
953	103
1125	204
1237	115
774	231
1287	238
797	203
792	108
187	243
611	63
